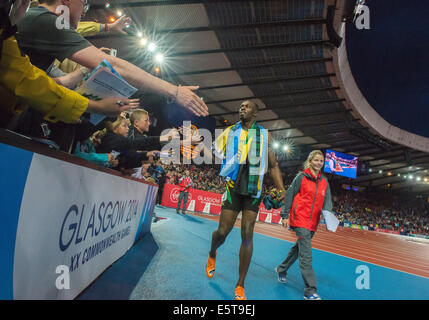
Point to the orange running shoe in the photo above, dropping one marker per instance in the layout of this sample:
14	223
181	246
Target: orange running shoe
239	293
210	269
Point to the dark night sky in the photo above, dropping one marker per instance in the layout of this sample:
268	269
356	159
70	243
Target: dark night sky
390	62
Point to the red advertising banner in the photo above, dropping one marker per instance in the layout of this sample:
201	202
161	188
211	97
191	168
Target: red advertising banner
198	200
387	231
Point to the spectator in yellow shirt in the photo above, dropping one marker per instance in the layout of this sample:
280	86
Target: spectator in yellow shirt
21	82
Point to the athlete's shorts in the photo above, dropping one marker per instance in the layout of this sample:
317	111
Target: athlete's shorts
236	202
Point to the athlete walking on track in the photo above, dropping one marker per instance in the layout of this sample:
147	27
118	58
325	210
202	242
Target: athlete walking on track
246	153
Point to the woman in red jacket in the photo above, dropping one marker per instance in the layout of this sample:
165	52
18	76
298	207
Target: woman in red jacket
308	194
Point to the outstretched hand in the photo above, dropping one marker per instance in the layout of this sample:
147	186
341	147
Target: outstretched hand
120	24
190	137
189	100
111	107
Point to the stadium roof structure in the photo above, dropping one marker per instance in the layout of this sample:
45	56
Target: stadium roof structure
283	55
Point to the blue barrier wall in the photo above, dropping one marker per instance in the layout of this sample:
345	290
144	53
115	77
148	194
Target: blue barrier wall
58	213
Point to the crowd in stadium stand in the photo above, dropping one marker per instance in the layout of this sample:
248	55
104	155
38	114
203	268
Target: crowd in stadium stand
204	177
384	211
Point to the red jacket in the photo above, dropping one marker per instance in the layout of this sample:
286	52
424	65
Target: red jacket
185	183
305	199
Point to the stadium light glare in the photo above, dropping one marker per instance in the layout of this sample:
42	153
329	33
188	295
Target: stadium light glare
370	170
119	13
285	147
380	171
139	34
143	42
410	177
151	47
107	5
159	58
276	145
418	179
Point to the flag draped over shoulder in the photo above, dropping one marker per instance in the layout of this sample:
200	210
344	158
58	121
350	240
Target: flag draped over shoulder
236	145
